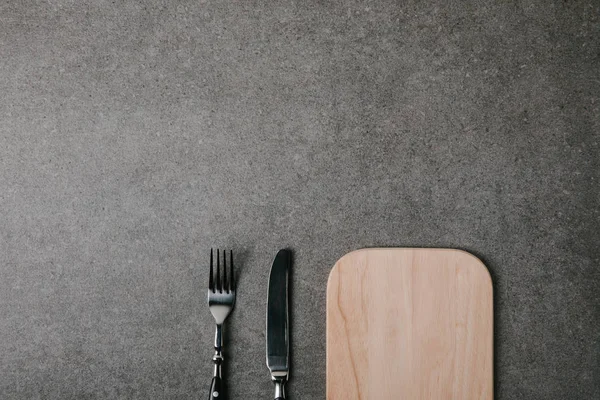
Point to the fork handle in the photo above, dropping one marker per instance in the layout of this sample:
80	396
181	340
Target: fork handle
216	386
216	389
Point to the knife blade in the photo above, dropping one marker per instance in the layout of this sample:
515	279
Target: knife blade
277	322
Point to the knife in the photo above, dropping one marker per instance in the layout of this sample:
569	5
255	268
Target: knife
277	322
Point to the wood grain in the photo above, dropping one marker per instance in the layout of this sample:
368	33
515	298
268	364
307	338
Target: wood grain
409	324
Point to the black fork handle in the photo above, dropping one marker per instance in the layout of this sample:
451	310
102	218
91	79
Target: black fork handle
216	389
217	386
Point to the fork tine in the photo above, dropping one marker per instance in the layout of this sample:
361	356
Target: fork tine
231	286
219	287
225	287
211	282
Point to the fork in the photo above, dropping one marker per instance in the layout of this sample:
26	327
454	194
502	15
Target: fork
221	298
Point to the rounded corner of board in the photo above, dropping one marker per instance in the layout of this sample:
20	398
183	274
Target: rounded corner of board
342	260
336	266
346	257
476	262
332	275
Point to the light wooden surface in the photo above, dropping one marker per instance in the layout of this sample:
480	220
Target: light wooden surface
409	324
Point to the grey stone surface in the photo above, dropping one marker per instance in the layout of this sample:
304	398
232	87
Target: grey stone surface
135	135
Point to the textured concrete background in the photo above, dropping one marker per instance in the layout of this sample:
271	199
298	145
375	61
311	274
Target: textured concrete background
135	135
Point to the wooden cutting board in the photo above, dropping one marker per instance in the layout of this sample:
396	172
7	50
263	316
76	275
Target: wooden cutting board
408	324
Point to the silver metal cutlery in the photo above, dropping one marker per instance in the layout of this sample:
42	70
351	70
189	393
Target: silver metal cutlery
277	323
221	299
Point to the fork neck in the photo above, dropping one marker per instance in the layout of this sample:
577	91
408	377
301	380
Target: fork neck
219	338
218	357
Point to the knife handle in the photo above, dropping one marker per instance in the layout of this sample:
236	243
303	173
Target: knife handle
279	392
216	387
